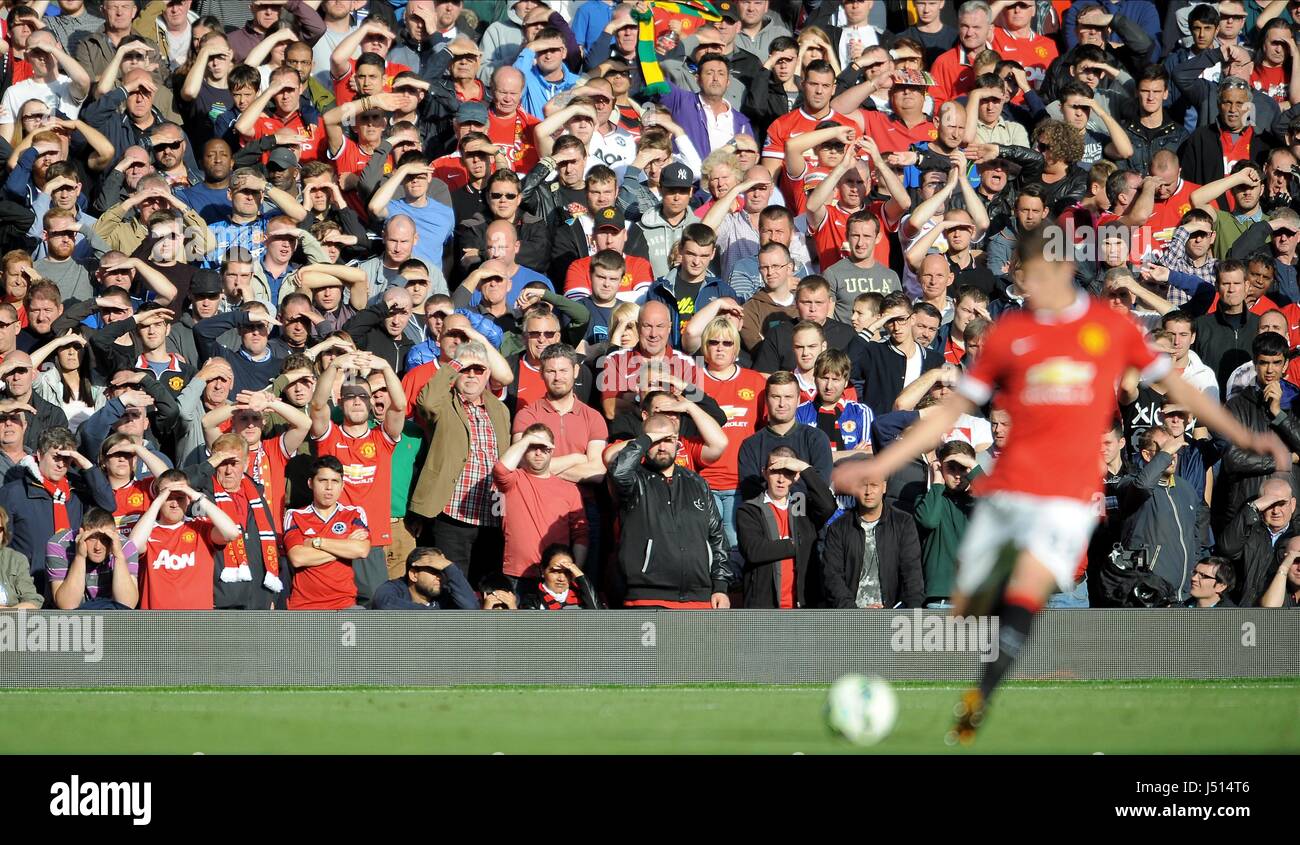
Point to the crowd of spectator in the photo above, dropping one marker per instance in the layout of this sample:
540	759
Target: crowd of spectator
420	304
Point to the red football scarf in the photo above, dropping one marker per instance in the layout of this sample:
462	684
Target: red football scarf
236	553
59	492
550	602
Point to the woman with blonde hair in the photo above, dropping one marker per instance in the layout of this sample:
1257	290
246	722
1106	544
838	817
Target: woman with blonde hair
740	393
815	44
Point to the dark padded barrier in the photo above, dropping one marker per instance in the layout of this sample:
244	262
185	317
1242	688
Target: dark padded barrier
624	647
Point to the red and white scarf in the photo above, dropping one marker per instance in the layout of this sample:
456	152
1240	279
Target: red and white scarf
235	566
550	601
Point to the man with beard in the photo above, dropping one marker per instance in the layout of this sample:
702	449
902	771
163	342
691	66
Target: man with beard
432	582
673	553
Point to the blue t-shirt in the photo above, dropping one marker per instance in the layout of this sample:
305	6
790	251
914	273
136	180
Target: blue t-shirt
212	204
433	225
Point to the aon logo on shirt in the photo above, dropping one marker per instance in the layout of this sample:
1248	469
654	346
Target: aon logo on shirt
174	563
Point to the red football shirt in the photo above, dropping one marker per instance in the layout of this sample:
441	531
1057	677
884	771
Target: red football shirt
1034	52
451	169
313	133
633	288
953	76
791	125
1164	218
831	237
1056	379
529	387
742	399
132	501
329	586
178	568
892	135
515	135
345	93
1273	82
367	474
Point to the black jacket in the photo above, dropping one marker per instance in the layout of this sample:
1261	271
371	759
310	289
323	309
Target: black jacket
531	597
763	550
673	547
879	370
1202	155
31	510
1223	341
897	546
1169	135
47	416
1243	472
471	234
776	351
1203	95
1168	521
367	330
456	594
1246	541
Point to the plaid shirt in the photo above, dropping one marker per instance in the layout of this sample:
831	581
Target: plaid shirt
473	498
1175	258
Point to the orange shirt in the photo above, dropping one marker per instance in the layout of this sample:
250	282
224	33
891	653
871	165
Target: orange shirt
515	135
1034	52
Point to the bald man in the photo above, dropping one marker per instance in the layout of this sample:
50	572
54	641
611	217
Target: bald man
622	384
1249	539
384	270
509	126
380	328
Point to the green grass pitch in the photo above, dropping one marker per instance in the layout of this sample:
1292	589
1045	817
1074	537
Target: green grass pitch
1158	717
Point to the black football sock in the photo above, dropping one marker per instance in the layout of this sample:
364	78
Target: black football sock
1015	619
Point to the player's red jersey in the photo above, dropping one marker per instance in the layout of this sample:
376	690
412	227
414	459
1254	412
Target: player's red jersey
178	570
741	399
367	474
451	169
623	370
1164	219
329	586
132	501
1056	379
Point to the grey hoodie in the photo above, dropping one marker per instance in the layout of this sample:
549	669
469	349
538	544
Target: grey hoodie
772	29
501	44
660	237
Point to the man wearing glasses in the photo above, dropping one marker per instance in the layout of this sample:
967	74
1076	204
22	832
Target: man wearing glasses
1212	580
56	80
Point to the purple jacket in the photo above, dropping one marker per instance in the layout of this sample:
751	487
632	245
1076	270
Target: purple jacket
310	28
688	113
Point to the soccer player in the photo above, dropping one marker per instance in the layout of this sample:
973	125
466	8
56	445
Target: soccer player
1052	365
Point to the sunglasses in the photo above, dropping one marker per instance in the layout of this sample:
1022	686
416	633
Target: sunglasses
62	233
541	447
497	195
539	335
11	418
42	116
1197	235
170	145
725	344
464	57
473	370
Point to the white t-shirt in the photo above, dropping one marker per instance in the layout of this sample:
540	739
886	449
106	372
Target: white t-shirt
616	151
56	95
975	431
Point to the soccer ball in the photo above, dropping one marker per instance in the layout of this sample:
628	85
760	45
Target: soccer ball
861	709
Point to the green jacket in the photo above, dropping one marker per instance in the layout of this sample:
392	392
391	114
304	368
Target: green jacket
942	518
16	580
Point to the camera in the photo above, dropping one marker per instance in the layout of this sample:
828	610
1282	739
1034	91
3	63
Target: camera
1130	560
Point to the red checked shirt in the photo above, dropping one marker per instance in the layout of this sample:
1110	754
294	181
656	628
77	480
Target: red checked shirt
473	498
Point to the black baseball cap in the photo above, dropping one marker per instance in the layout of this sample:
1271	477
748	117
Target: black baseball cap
610	217
676	175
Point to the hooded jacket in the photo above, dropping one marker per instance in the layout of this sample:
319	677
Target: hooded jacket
762	315
672	547
660	236
1168	520
663	290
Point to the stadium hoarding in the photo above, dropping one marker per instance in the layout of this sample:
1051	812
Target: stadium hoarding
250	649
